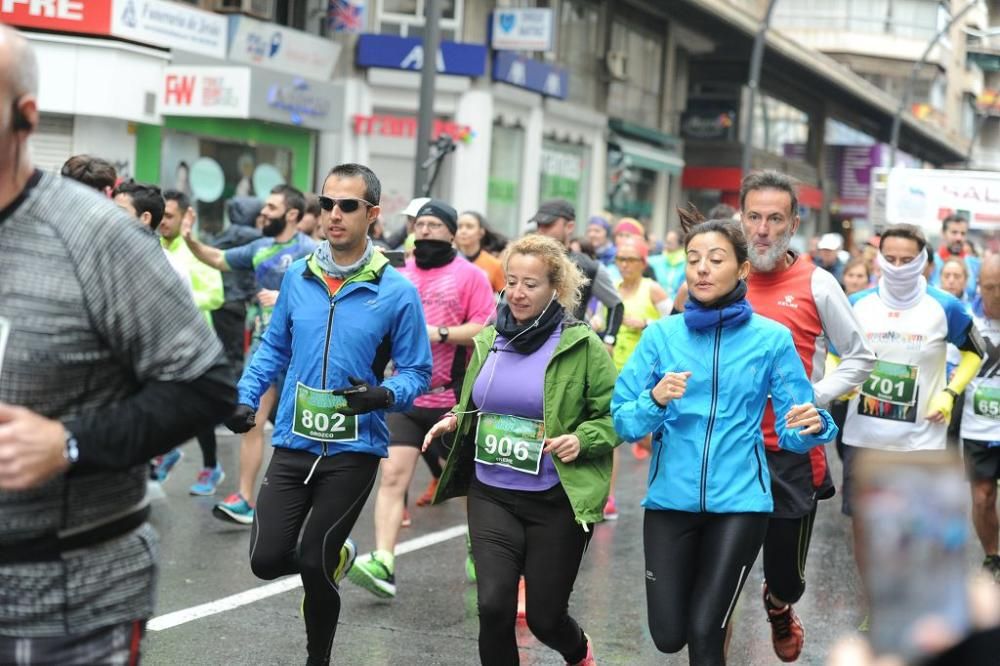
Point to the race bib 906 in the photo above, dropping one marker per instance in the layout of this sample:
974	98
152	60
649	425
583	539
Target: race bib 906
510	441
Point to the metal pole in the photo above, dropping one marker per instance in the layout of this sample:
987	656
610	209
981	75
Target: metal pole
908	90
978	127
756	60
425	117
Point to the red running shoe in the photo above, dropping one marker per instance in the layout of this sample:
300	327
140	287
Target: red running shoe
428	496
787	634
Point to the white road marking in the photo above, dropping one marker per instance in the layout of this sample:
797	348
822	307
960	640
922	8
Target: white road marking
185	615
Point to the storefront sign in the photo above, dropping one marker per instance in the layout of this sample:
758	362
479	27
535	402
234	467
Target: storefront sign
92	18
924	197
215	92
296	102
709	120
282	49
392	52
406	127
247	92
533	75
170	24
522	30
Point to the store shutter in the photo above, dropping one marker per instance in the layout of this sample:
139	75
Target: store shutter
51	143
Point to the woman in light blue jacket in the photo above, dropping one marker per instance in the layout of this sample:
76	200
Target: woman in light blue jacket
699	383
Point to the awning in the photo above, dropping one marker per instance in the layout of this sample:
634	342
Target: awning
647	156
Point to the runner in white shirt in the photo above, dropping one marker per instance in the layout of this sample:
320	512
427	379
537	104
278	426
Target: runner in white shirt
981	418
906	402
901	405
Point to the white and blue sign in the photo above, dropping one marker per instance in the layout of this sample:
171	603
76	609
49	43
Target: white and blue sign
529	74
281	48
528	29
392	52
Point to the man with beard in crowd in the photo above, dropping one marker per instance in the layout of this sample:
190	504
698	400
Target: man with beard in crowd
269	258
811	304
954	232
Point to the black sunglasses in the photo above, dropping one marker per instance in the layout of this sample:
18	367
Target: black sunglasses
346	205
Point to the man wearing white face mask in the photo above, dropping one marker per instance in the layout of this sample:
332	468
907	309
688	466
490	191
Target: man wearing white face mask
906	403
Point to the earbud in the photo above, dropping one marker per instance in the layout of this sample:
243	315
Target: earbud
19	121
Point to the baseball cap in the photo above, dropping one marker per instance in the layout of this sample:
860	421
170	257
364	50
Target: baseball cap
552	210
830	242
414	206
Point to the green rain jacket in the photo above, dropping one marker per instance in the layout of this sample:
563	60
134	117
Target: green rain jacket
206	282
579	380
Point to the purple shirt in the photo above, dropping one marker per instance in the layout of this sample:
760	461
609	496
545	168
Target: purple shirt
515	389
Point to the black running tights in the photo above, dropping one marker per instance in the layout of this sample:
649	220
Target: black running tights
696	565
332	500
785	549
534	534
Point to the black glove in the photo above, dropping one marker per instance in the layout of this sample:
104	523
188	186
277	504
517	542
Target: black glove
363	397
243	419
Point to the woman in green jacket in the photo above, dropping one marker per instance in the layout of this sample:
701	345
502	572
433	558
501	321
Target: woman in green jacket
532	452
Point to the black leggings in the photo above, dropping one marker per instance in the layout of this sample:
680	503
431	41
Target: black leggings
696	565
333	499
532	533
208	446
785	549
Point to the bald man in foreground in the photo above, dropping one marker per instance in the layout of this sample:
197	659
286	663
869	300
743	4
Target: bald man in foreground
96	378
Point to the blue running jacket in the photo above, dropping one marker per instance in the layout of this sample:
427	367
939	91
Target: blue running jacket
708	449
321	339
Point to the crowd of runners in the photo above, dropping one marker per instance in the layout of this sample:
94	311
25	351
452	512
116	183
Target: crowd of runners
513	368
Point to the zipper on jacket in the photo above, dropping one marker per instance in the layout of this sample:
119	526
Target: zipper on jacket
326	346
711	417
760	470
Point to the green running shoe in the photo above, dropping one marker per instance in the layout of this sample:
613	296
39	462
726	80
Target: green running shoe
375	576
348	553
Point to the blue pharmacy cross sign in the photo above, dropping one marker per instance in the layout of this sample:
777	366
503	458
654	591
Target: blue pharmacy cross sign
529	74
392	52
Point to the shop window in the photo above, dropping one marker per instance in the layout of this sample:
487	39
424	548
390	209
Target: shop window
565	174
636	96
910	19
211	172
780	128
406	18
504	194
579	49
631	189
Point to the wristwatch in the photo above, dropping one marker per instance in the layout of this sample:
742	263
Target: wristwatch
609	339
72	451
950	392
443	332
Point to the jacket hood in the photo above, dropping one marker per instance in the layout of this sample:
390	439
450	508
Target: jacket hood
243	211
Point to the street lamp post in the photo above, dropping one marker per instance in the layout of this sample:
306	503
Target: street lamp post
756	60
425	118
908	90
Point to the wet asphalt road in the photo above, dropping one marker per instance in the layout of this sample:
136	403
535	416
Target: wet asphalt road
433	618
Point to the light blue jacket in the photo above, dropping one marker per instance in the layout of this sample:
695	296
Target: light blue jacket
321	339
708	449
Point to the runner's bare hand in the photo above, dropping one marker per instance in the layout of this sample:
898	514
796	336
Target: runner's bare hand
32	448
671	387
187	223
446	424
267	297
564	447
806	417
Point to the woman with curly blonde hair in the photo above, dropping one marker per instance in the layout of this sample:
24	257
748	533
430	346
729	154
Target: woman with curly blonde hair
532	451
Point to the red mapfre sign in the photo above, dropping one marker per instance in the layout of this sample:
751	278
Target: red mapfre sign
83	16
404	126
